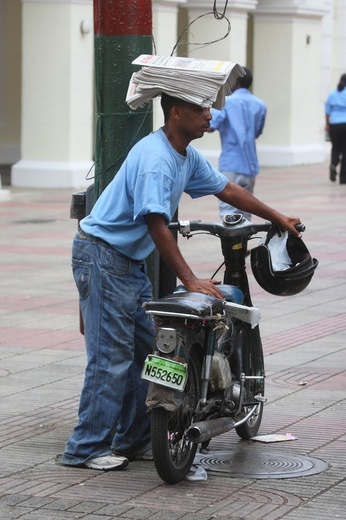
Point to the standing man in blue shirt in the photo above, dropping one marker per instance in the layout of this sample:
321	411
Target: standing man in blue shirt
240	122
127	222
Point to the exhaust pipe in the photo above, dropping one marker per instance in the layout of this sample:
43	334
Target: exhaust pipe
206	430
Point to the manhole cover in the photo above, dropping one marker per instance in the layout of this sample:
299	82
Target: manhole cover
254	464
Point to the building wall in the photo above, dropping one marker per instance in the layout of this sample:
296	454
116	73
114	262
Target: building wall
166	29
53	98
57	94
292	73
338	40
10	81
206	29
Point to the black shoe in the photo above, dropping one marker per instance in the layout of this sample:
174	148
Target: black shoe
332	173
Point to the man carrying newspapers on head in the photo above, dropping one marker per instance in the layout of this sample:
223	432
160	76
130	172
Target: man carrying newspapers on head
125	225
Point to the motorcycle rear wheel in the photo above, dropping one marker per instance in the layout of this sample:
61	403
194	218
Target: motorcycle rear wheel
247	349
173	453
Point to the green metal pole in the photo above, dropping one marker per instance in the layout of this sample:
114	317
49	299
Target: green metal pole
123	31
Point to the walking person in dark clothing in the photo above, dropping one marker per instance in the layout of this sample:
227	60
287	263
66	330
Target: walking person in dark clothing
335	108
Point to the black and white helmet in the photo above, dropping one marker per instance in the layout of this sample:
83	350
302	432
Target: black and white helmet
282	265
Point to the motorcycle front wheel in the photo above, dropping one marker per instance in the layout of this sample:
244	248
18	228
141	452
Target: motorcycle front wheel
173	453
247	358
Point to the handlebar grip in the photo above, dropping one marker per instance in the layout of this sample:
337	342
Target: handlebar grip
300	227
174	225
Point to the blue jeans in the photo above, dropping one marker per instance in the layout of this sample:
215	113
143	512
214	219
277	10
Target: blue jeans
245	181
118	336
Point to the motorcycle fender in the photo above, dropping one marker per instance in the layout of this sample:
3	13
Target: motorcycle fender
163	397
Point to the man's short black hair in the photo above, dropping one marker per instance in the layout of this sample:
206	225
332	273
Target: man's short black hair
167	102
245	81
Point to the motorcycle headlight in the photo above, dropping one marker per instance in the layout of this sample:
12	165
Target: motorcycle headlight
166	340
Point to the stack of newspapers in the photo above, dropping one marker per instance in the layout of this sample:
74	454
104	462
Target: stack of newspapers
201	82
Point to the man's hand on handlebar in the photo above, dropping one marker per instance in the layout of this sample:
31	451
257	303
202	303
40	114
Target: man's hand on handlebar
170	252
240	198
205	286
292	225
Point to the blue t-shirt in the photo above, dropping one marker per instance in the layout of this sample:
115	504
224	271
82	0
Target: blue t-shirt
240	122
335	107
151	180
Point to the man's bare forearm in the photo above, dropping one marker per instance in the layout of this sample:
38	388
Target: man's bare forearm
242	199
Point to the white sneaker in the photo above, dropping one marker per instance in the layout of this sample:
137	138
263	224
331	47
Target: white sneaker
107	462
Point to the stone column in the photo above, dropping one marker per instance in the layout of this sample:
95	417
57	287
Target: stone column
207	29
339	43
287	76
10	80
165	33
233	48
57	94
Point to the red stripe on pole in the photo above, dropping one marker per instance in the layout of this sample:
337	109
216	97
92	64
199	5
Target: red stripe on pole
122	17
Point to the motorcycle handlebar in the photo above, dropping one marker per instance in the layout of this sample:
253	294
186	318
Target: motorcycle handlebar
235	227
300	227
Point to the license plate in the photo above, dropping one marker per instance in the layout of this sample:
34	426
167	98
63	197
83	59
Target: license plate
165	372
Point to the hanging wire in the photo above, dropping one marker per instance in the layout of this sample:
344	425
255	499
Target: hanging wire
218	16
87	178
216	13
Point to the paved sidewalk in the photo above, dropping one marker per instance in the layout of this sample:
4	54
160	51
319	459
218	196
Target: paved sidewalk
42	362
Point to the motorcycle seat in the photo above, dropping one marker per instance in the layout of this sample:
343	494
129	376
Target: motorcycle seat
193	303
231	293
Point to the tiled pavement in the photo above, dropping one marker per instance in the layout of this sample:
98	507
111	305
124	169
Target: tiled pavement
42	361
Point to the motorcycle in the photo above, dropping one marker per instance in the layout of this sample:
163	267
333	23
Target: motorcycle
206	372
